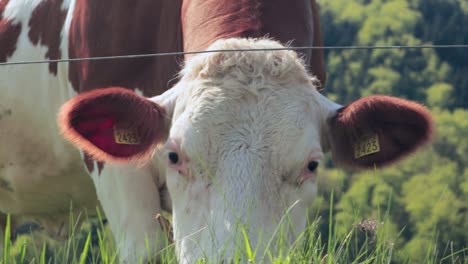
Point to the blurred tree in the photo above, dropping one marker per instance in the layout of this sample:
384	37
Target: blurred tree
423	201
356	73
444	22
440	95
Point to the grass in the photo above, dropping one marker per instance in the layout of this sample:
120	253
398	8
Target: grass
368	242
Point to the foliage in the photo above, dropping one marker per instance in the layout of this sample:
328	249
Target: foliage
403	72
93	244
425	197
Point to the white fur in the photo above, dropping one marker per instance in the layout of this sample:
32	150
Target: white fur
20	10
46	173
129	195
248	123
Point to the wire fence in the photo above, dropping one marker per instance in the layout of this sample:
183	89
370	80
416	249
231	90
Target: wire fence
179	53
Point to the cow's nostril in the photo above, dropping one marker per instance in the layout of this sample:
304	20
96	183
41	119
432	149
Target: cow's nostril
173	157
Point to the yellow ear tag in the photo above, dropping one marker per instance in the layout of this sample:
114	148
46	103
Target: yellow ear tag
126	136
366	145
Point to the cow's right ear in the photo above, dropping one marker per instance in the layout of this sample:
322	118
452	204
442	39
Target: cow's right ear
376	131
113	124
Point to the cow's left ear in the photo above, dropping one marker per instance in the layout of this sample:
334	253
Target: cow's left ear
113	124
377	131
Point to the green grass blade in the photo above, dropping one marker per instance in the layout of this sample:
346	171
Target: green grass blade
248	248
84	254
43	254
330	232
6	241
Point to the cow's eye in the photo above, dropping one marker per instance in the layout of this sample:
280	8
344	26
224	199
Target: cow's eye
312	166
173	157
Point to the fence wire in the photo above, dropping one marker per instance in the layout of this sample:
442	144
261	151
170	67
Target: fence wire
179	53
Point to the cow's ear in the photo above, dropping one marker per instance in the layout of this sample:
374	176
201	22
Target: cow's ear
113	124
377	131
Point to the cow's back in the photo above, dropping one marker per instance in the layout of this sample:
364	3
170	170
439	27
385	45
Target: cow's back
40	174
113	28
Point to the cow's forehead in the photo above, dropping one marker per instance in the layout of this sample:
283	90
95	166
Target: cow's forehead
238	102
229	80
281	67
233	93
275	122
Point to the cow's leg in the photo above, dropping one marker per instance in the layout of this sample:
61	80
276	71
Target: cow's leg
129	195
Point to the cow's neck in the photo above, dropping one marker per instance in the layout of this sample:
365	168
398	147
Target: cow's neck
204	21
109	27
296	21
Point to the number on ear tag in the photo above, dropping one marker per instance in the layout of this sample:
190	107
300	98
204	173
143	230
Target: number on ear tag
366	145
126	136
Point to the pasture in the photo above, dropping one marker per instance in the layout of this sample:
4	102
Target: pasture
367	241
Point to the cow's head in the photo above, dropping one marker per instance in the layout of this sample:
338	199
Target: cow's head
242	134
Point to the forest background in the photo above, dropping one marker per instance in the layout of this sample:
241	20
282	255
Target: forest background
425	198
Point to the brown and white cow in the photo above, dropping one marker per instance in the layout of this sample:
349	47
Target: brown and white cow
241	135
41	175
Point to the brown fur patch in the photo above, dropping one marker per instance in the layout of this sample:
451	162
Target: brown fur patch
112	28
81	121
205	21
89	162
298	22
295	21
100	166
9	34
45	26
402	126
317	60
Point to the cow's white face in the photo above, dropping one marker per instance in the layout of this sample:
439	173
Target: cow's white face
243	151
243	134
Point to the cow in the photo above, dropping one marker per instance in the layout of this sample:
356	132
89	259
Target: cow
42	177
239	139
